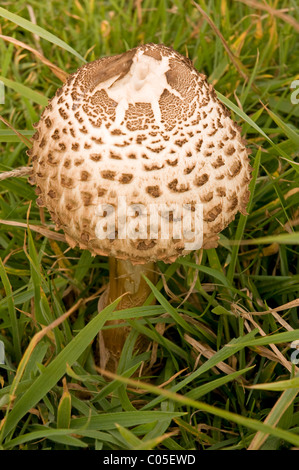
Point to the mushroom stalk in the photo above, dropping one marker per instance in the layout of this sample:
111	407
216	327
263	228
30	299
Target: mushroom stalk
124	278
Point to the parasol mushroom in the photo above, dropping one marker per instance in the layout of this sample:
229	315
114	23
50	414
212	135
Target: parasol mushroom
128	132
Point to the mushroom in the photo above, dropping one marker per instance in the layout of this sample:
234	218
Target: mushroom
127	143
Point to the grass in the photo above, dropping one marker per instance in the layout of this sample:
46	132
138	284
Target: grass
224	320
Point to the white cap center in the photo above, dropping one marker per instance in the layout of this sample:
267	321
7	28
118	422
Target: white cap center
144	83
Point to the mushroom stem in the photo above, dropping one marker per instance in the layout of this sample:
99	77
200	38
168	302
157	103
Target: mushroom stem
124	278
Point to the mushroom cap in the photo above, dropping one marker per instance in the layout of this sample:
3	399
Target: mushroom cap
145	126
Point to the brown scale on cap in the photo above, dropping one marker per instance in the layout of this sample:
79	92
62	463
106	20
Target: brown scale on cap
143	120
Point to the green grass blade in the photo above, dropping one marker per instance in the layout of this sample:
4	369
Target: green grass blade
64	410
243	218
44	432
208	387
278	410
107	421
25	91
56	369
285	128
205	269
277	338
168	307
131	440
249	121
11	311
41	32
228	415
10	136
283	238
279	386
234	346
61	436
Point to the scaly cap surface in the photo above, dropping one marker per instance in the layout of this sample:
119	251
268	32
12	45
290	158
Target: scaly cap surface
147	126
